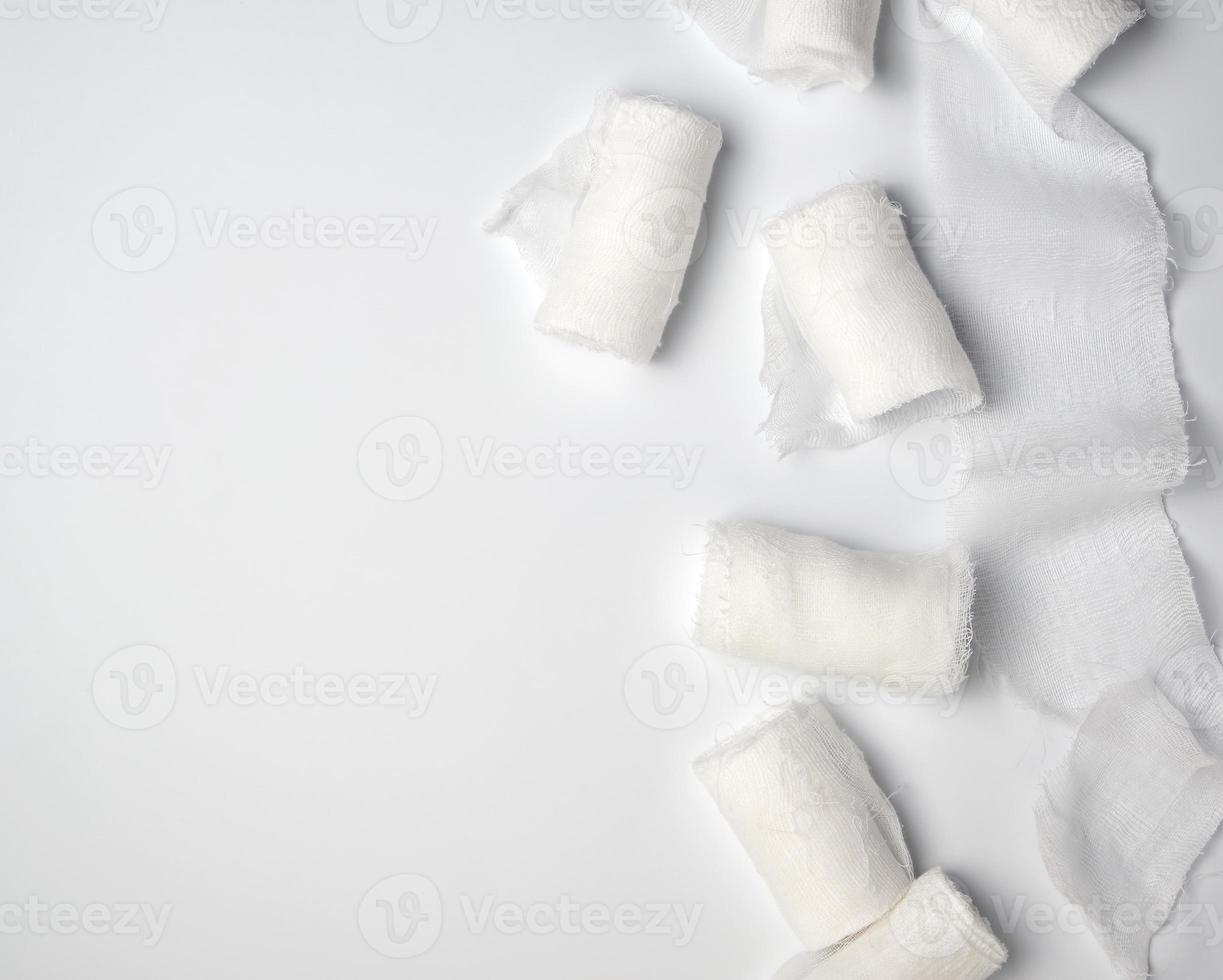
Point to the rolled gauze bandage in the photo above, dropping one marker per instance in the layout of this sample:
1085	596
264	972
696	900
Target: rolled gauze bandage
607	226
1058	41
794	42
856	341
813	604
935	933
823	836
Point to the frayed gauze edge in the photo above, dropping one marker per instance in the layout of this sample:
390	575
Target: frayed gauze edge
607	226
899	618
856	341
1122	820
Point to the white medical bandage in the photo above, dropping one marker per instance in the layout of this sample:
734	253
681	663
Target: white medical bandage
935	933
798	43
813	604
825	839
607	226
856	341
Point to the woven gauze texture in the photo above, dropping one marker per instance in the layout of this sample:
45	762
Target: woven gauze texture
856	341
1084	600
825	839
607	226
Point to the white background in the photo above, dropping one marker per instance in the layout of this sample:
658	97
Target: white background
528	599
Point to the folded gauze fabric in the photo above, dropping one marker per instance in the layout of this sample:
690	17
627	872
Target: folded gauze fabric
820	606
1060	41
794	42
607	226
856	341
935	933
827	842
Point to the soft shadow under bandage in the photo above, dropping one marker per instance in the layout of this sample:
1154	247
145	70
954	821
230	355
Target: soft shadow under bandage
856	341
607	226
822	607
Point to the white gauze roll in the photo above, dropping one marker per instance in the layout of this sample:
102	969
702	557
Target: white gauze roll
797	792
1061	40
607	226
817	605
799	43
856	341
935	933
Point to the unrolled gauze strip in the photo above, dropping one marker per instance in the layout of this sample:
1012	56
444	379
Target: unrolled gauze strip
607	226
935	933
856	341
1136	802
827	842
814	604
800	43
